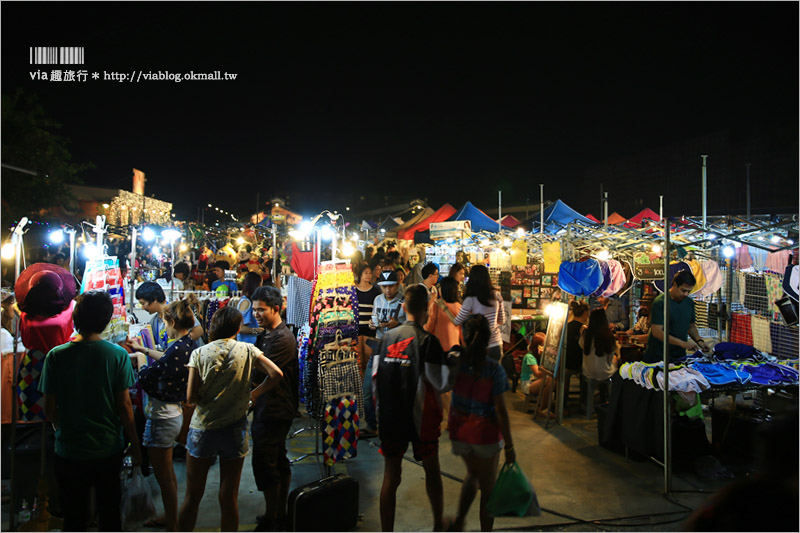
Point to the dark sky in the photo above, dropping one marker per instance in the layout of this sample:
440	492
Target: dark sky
450	101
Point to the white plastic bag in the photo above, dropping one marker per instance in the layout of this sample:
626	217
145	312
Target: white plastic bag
137	502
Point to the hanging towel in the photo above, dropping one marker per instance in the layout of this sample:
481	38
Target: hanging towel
741	287
774	292
741	329
777	261
551	251
761	336
713	276
743	259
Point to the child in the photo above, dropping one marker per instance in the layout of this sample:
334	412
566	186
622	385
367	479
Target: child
410	370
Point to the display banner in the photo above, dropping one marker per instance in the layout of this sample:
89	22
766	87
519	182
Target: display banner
648	266
454	229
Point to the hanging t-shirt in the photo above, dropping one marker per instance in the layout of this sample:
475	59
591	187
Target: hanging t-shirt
224	288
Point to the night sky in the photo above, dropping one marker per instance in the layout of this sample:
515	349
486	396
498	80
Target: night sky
449	101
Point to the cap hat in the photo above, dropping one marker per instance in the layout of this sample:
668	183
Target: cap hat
387	278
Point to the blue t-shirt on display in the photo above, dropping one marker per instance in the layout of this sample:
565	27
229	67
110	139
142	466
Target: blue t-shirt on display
224	288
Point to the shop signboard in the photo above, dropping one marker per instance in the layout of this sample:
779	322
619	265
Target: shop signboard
648	266
454	229
554	338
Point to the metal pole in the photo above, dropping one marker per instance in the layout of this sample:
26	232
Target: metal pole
747	165
704	192
319	251
499	211
274	255
660	207
133	264
14	414
729	299
541	208
527	201
667	421
602	203
72	251
605	211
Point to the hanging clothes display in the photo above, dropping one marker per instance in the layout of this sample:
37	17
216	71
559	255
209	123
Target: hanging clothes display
713	277
330	376
741	328
699	275
761	335
774	292
104	274
580	278
743	259
777	261
606	271
626	269
674	268
618	278
298	300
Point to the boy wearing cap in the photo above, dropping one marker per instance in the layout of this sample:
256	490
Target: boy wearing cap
387	313
387	310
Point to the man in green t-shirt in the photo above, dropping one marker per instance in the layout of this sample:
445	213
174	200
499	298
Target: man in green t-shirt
682	320
85	384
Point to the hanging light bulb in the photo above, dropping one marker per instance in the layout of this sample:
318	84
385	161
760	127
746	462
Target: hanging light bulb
520	232
90	251
728	252
148	234
57	236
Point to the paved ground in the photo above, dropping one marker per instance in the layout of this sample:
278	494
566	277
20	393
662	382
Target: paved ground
581	486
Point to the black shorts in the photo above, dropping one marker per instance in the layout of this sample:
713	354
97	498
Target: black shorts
269	451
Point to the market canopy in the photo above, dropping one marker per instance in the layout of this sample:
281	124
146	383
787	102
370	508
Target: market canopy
419	217
636	220
510	221
592	218
615	218
440	215
557	216
480	221
388	224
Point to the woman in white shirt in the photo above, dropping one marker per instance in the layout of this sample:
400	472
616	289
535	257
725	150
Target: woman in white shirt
480	297
600	351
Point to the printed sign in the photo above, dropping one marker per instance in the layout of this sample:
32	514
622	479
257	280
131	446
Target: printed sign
453	229
554	340
648	266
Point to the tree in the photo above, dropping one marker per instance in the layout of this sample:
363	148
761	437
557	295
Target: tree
30	143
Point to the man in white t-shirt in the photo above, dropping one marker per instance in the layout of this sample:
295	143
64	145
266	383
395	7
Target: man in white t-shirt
430	276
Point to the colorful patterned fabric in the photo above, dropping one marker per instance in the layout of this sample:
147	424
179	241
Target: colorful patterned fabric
29	399
774	285
340	436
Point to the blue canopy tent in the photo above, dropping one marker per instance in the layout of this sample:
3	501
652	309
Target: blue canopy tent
556	217
480	221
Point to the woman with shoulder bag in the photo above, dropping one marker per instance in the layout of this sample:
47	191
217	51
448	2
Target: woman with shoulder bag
165	382
442	323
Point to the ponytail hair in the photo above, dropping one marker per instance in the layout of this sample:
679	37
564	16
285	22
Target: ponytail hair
476	334
180	314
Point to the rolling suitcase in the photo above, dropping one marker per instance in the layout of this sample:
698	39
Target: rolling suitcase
330	504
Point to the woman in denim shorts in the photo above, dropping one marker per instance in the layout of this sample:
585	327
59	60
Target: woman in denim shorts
165	383
219	385
478	422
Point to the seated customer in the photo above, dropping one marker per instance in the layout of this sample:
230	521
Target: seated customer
532	379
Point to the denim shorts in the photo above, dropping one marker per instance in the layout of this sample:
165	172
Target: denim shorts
161	432
481	450
228	443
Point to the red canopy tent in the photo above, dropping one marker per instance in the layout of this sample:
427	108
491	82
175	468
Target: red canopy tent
591	217
440	215
646	213
510	221
615	218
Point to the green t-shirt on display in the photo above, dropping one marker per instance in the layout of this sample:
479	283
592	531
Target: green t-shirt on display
681	316
525	373
85	377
